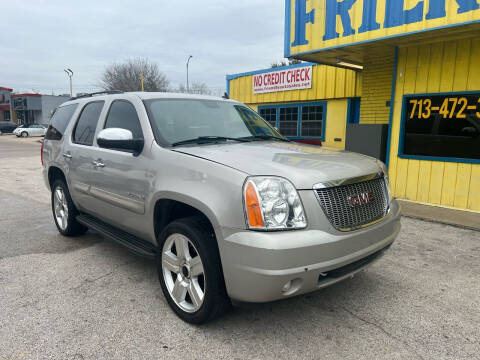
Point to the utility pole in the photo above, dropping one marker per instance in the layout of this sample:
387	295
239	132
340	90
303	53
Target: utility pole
188	61
141	80
70	75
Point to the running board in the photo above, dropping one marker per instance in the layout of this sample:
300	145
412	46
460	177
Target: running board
135	244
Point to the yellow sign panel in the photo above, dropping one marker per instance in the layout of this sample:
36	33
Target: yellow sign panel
318	25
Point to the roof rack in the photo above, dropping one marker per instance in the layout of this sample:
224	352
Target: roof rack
106	92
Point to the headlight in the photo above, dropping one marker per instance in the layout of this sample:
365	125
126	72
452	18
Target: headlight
272	203
387	179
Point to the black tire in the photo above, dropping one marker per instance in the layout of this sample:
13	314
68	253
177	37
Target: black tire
73	228
216	301
24	134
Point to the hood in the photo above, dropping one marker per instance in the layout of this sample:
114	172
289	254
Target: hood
303	165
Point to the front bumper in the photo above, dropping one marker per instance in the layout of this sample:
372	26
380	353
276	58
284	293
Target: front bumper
268	266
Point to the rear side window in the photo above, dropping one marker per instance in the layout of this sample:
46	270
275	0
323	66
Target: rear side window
123	115
60	121
87	123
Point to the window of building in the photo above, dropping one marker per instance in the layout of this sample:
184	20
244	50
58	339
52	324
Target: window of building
122	114
6	115
87	123
444	126
288	121
270	115
312	121
297	121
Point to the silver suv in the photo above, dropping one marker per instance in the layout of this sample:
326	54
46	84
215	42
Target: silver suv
229	208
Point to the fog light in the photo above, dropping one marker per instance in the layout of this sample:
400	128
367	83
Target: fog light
287	286
292	286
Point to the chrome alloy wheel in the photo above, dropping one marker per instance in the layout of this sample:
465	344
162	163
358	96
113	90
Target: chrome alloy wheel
183	272
61	208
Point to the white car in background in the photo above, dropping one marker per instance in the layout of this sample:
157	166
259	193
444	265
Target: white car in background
30	130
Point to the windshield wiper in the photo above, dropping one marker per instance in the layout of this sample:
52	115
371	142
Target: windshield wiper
208	139
265	137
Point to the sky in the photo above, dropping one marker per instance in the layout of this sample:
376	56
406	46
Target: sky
41	38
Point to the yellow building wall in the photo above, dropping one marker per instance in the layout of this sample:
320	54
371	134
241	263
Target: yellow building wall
430	68
328	82
377	88
331	84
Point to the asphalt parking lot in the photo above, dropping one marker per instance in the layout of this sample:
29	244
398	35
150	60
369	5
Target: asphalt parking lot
88	298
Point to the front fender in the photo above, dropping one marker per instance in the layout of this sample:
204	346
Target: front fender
212	188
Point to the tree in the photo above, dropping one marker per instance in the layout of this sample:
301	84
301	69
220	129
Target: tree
196	88
200	88
181	89
285	63
126	76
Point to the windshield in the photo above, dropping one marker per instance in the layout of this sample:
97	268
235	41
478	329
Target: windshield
176	120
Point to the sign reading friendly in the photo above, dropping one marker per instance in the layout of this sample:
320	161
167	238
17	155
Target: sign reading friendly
283	80
316	25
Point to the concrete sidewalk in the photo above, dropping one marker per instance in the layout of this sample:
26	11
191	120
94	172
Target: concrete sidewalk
464	219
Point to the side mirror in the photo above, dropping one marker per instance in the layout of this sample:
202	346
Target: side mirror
119	139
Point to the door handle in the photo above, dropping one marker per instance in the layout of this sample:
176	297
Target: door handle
67	155
98	163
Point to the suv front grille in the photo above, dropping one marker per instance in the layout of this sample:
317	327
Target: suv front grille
337	205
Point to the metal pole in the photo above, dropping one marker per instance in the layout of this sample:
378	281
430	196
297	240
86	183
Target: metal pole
70	75
188	61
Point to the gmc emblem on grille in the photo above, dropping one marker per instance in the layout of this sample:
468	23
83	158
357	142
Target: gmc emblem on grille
361	199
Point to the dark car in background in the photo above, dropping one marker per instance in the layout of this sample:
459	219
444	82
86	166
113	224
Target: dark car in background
7	127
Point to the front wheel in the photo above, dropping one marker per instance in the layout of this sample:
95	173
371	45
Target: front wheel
64	211
190	271
24	134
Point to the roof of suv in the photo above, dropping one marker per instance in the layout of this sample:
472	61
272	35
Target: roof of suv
152	95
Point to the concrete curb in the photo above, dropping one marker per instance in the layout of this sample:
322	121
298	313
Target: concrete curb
454	217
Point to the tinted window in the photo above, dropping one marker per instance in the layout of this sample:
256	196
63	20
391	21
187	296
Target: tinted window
87	123
60	121
446	125
123	115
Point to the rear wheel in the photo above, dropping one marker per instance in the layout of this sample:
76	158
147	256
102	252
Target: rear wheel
190	271
24	134
64	211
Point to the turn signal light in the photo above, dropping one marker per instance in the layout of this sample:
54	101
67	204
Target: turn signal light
253	206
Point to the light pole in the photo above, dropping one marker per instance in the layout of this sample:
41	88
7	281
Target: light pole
70	75
188	61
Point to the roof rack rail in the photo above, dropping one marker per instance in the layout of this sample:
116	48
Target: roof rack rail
106	92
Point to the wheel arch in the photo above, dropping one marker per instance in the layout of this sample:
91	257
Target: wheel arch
173	206
55	173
